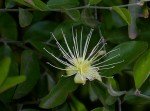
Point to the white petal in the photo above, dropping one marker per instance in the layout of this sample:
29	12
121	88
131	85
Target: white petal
80	79
92	74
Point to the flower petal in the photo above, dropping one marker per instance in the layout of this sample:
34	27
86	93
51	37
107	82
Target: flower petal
92	74
79	78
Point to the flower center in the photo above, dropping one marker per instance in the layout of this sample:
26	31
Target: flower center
82	65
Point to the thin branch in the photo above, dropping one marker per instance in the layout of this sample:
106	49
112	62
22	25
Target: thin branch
119	104
15	10
76	8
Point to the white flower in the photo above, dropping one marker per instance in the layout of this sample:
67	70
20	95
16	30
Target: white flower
78	63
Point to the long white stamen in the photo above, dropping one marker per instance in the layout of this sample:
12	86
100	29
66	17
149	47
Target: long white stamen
68	75
57	67
60	47
74	47
81	43
67	44
107	60
104	56
107	68
77	47
96	54
61	61
87	43
94	49
109	64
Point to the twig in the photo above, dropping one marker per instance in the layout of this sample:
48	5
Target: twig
138	93
76	8
119	104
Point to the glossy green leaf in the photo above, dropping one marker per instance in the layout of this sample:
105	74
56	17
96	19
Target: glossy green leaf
117	35
7	95
39	46
125	54
100	89
124	13
62	3
23	3
4	69
25	17
8	27
117	20
94	2
104	109
77	105
11	82
59	93
93	96
142	69
30	69
39	31
98	109
38	16
38	4
9	3
73	14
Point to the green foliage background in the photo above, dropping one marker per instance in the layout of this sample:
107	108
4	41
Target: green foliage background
27	83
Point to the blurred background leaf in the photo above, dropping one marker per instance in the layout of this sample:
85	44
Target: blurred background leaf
8	27
29	63
59	93
25	17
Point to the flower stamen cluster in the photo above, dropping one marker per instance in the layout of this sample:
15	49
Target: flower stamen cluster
84	67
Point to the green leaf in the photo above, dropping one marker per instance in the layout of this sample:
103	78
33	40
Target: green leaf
77	105
141	69
23	3
9	3
10	82
62	3
98	109
38	4
124	13
59	93
94	2
25	17
124	53
39	46
8	27
30	69
118	35
73	14
4	69
7	95
100	89
39	31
